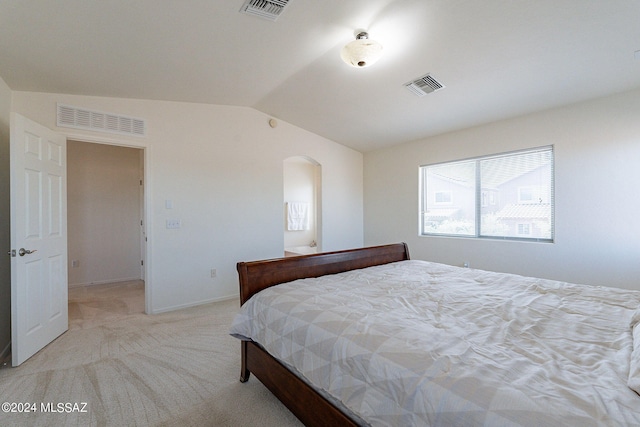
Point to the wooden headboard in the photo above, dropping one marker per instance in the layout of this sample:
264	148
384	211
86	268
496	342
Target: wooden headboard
258	275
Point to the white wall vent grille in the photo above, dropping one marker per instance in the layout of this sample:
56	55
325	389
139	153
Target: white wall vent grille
267	9
81	118
424	85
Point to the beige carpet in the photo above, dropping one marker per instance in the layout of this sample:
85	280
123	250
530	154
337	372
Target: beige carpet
131	369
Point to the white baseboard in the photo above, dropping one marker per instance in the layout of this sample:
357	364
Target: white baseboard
193	304
102	282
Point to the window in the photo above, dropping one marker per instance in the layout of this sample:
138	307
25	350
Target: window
529	194
524	229
443	197
505	196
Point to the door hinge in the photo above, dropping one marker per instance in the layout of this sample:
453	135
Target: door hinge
11	253
141	262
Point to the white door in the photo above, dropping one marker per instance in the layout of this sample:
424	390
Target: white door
39	290
143	234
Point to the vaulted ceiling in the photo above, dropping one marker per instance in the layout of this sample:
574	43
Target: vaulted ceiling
496	58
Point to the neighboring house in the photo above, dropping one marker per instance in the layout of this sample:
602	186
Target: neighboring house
524	208
514	202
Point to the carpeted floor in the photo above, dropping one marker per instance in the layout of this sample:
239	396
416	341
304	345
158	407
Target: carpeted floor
131	369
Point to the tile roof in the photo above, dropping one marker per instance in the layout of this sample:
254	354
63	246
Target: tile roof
525	211
436	214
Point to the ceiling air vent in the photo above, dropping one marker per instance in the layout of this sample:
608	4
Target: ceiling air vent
424	85
81	118
267	9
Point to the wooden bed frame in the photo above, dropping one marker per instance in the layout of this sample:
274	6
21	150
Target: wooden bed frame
302	400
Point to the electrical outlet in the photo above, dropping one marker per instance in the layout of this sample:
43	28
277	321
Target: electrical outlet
466	264
173	223
214	273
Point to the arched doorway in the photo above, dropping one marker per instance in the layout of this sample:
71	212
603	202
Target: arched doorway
302	206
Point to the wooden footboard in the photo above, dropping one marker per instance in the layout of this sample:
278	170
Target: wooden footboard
302	400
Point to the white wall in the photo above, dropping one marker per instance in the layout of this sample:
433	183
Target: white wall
103	213
597	173
5	237
222	169
300	186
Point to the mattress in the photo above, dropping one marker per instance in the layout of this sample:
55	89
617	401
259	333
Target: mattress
420	343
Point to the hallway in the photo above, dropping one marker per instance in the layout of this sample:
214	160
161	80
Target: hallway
98	304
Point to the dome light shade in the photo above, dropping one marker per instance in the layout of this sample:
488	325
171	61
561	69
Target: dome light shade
361	52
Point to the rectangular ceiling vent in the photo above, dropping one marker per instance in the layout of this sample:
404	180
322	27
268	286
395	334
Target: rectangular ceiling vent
267	9
424	85
81	118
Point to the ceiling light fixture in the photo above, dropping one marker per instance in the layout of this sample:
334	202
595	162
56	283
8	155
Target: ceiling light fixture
361	52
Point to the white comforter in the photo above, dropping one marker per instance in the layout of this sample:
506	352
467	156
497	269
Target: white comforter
415	343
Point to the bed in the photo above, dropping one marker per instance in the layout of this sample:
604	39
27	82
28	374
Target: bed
370	337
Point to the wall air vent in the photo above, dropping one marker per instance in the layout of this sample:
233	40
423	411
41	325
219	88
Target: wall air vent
81	118
424	85
267	9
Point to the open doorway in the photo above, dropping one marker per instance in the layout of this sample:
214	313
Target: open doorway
302	201
105	211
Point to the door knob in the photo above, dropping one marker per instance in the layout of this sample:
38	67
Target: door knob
23	251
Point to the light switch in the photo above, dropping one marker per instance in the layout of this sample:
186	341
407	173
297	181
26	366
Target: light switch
168	204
